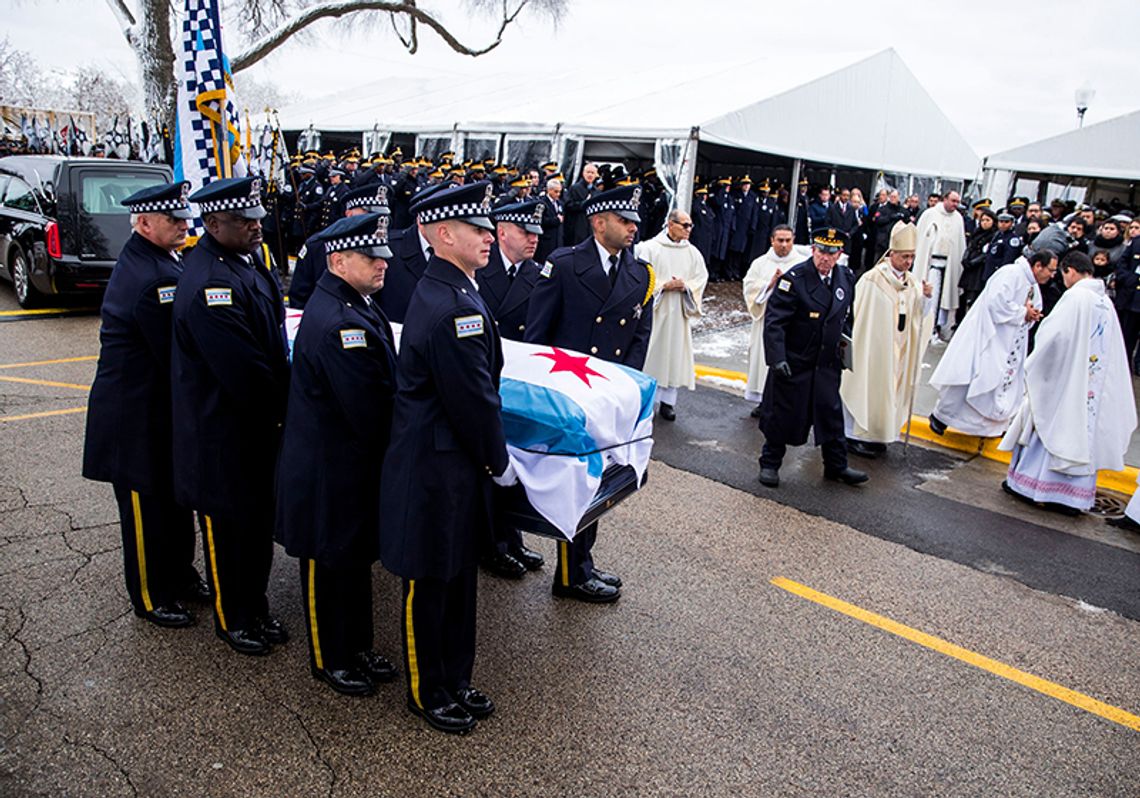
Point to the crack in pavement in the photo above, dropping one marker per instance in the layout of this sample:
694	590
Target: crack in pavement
122	770
15	636
313	742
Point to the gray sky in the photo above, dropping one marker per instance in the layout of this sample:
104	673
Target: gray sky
1003	73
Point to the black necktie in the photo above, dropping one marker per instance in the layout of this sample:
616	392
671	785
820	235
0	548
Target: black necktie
430	251
512	270
613	270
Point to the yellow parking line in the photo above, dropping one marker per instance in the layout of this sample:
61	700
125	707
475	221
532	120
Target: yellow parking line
44	414
44	311
51	383
1051	689
48	362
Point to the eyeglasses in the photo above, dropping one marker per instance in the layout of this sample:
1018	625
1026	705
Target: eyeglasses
684	225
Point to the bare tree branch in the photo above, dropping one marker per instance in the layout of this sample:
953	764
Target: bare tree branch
274	39
126	20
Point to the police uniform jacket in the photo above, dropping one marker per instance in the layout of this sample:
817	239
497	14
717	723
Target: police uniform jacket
1127	279
311	263
552	228
726	217
704	228
447	431
332	207
337	426
768	215
576	225
310	196
573	306
128	414
405	268
803	325
746	213
507	299
230	380
1003	248
404	187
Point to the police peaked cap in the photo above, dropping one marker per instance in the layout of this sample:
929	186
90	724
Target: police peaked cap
168	198
527	215
829	239
469	203
373	197
623	200
240	196
366	233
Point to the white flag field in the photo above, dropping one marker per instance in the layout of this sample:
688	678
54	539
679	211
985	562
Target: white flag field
567	417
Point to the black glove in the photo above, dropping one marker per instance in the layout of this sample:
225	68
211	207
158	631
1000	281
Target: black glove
782	369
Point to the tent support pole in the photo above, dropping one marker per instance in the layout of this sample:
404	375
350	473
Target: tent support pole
794	192
687	173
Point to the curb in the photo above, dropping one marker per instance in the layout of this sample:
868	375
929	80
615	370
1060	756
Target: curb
1118	481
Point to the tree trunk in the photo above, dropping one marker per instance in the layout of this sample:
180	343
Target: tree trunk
155	55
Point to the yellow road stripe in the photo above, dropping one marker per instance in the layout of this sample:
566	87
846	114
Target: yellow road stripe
214	574
44	311
51	383
712	371
1044	686
49	362
564	562
413	664
44	414
313	615
140	551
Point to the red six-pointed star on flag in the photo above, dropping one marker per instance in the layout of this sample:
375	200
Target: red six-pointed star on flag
564	361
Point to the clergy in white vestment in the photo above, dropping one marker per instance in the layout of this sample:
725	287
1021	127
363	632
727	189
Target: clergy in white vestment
981	377
894	314
1079	411
681	280
938	256
758	284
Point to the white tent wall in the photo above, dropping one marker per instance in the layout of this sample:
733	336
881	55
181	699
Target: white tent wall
1104	150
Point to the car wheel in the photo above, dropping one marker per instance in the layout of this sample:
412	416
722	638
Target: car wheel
26	293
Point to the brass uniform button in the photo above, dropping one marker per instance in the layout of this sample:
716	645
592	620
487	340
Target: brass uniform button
622	322
617	352
598	320
593	350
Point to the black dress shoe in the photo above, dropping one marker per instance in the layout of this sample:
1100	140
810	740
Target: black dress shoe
376	666
936	425
769	477
862	449
346	681
756	411
592	591
502	564
667	412
530	558
244	641
196	589
848	476
475	702
170	616
273	630
451	718
613	580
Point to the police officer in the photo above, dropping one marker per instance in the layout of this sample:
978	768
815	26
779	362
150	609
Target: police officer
128	440
447	446
230	379
704	223
595	297
505	285
310	198
311	259
336	431
807	314
332	204
410	253
1004	247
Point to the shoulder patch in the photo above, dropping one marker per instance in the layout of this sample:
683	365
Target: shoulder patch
467	326
353	339
166	294
785	285
1015	242
219	296
320	190
547	269
652	283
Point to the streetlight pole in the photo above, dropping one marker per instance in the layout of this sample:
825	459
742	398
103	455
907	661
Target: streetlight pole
1083	96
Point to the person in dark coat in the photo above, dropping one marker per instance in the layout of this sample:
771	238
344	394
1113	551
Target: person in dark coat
768	215
803	224
704	223
842	214
725	208
129	432
807	315
279	202
410	253
230	381
337	427
447	451
505	286
1126	281
597	298
310	200
819	211
553	217
575	226
311	259
974	260
1004	247
746	212
883	219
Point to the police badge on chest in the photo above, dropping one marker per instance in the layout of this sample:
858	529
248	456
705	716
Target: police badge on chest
637	311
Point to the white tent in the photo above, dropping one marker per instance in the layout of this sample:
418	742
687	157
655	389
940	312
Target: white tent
868	114
1099	158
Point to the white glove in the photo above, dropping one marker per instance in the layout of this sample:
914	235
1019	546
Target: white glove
508	477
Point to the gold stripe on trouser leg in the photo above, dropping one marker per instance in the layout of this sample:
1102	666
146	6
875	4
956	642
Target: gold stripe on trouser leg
214	574
313	615
140	551
413	665
564	552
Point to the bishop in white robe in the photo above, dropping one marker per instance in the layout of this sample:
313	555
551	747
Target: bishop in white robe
681	279
938	257
1079	411
894	315
981	377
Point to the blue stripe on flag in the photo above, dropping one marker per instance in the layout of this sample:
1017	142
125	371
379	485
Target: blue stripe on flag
535	417
646	385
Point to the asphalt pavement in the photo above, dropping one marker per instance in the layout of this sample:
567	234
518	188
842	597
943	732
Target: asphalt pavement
767	642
